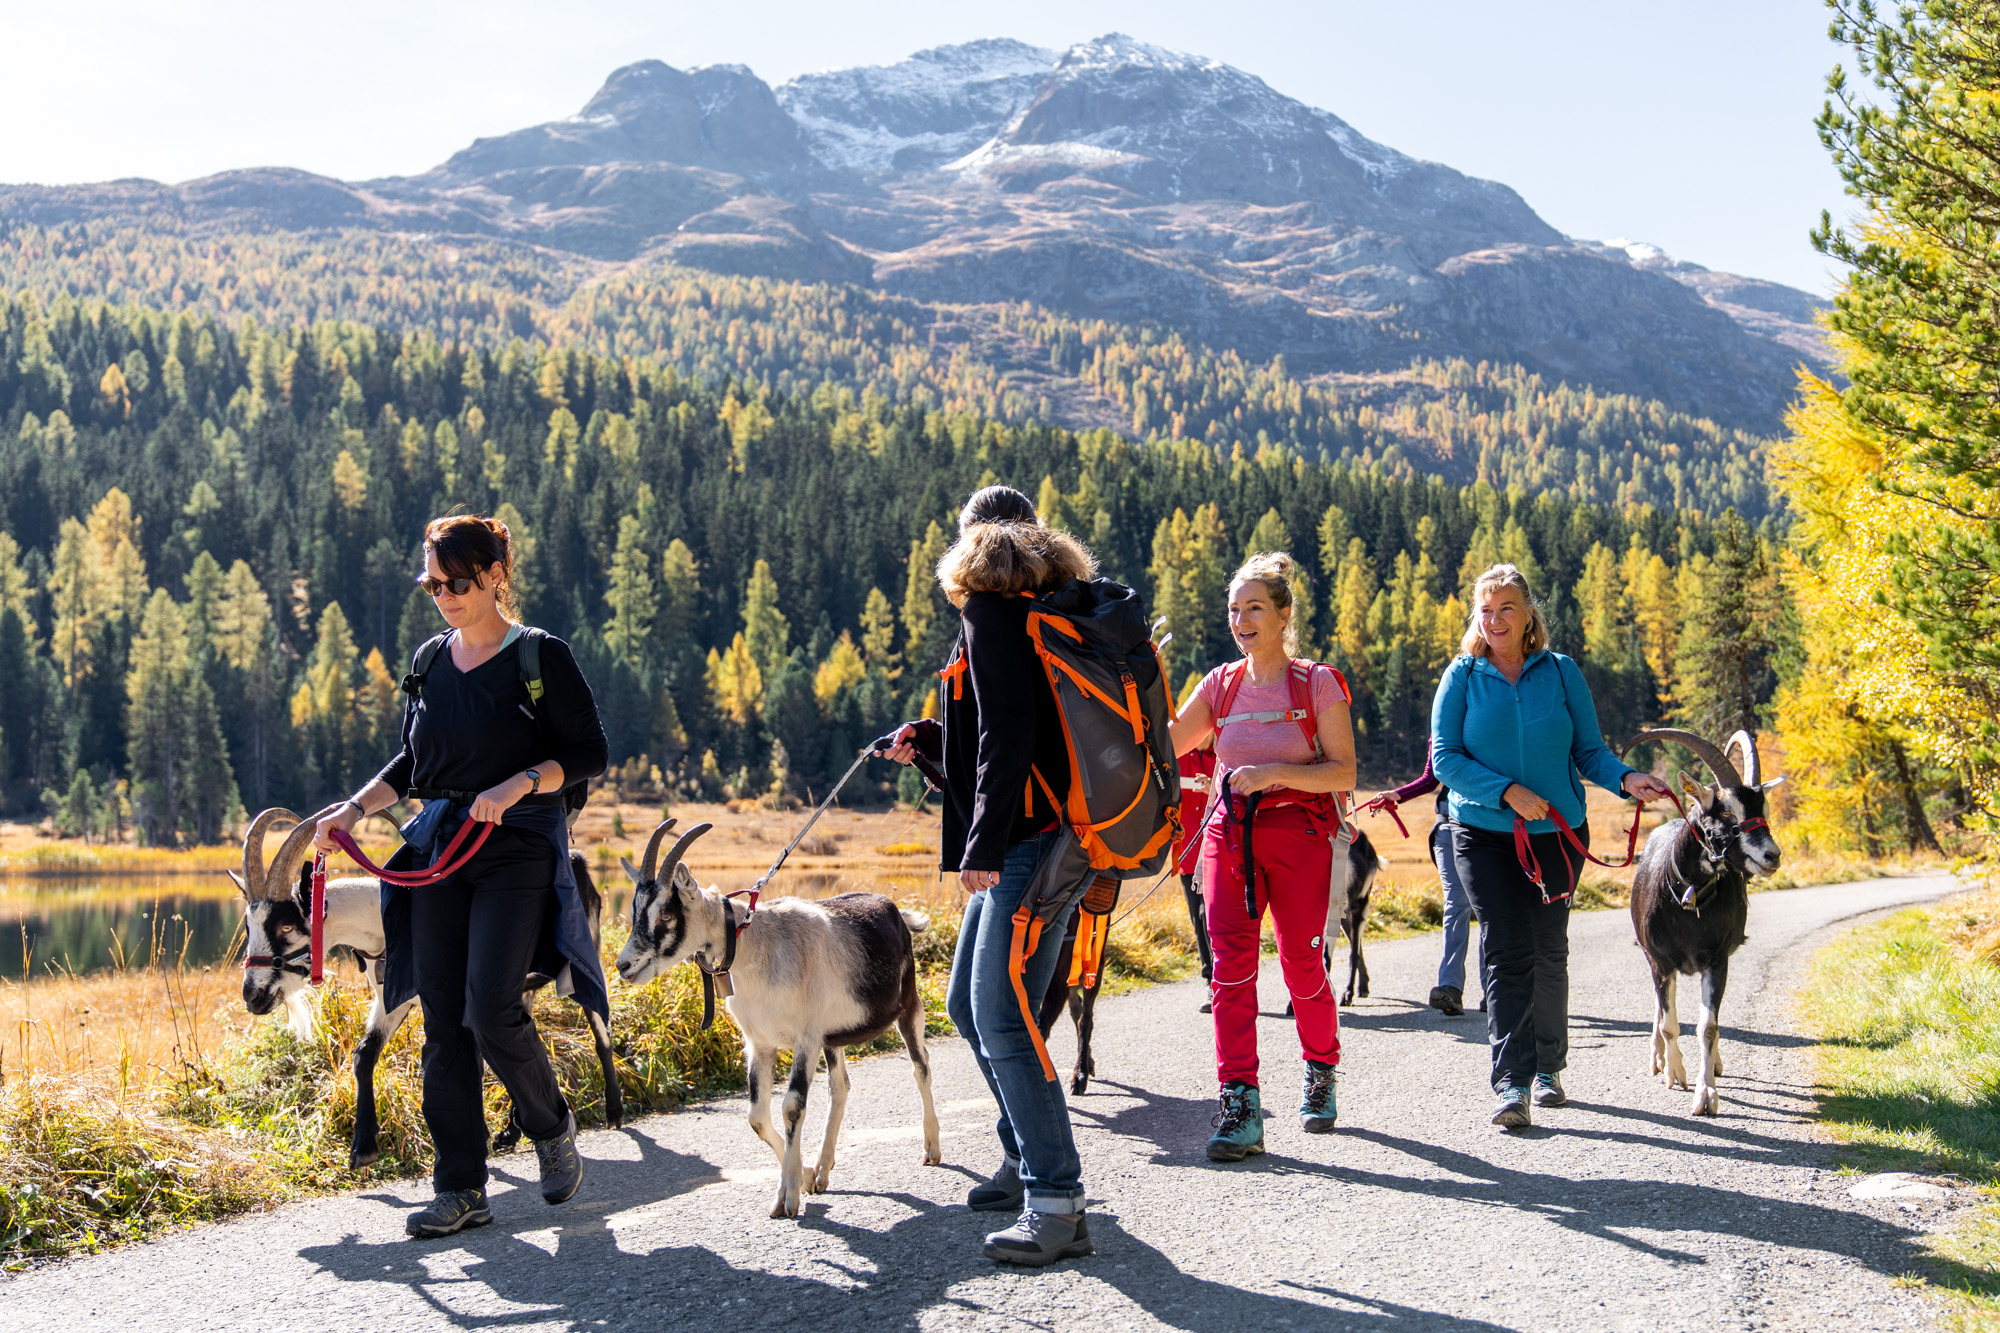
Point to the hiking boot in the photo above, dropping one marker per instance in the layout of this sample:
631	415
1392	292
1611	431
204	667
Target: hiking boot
1512	1112
1316	1108
1448	1000
1239	1125
1040	1238
450	1211
1002	1193
1549	1090
562	1169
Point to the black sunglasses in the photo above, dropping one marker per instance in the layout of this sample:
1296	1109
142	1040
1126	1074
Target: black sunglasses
459	587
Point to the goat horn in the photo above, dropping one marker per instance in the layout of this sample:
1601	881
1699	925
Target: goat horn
680	850
1752	769
253	849
284	872
1718	762
652	856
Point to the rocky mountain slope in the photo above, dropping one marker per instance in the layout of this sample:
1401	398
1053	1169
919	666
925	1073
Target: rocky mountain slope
1115	179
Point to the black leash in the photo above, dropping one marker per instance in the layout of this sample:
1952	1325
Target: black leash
1249	854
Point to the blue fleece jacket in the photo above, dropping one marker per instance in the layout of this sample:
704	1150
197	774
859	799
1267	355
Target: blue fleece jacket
1541	732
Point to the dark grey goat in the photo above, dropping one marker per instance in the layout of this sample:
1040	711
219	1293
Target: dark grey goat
1690	898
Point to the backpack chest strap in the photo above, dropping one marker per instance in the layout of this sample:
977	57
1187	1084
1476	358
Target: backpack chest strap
1278	715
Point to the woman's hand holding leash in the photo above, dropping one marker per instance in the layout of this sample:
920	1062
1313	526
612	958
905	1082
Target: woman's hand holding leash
1644	787
1525	803
489	805
1252	777
904	751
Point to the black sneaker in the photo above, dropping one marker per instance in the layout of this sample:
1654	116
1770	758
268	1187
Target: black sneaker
1448	1000
1040	1238
562	1169
450	1211
1003	1193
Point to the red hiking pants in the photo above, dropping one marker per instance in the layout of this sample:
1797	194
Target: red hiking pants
1294	861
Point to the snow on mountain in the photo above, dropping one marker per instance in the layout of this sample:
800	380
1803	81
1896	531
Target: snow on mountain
917	113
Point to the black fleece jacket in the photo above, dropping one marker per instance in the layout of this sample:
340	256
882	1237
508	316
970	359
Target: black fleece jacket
1000	726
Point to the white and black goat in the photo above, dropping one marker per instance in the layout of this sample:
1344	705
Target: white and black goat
277	964
1690	899
803	976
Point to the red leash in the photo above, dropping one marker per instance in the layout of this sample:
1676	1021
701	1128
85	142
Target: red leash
1524	851
1383	805
450	863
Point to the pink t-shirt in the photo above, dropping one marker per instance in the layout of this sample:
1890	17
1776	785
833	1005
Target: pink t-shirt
1243	743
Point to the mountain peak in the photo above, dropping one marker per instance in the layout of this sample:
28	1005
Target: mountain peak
919	112
1116	50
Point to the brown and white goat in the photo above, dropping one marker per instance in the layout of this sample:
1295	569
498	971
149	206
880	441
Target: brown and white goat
805	977
1690	899
277	963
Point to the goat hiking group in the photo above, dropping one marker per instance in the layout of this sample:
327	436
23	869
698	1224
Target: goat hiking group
1064	768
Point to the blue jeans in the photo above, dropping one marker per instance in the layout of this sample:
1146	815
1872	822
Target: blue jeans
1034	1119
1457	909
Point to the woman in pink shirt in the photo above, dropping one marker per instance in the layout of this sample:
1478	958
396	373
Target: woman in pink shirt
1284	745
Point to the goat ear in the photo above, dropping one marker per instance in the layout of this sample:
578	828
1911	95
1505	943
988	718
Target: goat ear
1693	789
1777	781
241	887
630	869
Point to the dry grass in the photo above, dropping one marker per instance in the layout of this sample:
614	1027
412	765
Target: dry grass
145	1097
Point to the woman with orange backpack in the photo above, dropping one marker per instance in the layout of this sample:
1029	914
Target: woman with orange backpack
1284	746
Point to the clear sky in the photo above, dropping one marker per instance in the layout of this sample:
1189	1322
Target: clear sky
1687	125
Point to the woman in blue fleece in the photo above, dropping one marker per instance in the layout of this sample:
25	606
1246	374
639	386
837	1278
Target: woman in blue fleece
1514	733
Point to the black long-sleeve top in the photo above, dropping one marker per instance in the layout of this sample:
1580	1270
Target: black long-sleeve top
473	729
999	728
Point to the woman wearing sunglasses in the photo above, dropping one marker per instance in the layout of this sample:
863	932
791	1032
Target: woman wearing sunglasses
476	746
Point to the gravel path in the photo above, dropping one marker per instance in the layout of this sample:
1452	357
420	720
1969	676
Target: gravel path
1617	1212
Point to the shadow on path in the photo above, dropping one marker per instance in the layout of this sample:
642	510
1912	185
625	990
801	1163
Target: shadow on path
567	1264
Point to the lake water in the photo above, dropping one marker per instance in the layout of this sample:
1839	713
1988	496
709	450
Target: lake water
90	924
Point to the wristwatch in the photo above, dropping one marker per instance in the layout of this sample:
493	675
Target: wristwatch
535	778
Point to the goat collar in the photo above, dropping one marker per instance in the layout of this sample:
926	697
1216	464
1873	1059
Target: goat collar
715	978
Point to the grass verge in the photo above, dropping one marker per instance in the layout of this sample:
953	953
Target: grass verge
1908	1011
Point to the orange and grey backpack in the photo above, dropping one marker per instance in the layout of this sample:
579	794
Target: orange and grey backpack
1122	808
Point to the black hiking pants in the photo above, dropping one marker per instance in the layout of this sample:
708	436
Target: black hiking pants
475	935
1523	948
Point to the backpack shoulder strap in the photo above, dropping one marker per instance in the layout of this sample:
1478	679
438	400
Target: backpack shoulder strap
1302	703
421	663
1232	681
413	684
531	664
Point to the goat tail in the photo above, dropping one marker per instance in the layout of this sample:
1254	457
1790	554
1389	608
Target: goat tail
916	921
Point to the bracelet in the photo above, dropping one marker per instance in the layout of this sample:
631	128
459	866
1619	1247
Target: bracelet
358	809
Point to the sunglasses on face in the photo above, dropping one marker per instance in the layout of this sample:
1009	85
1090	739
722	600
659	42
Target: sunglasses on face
457	587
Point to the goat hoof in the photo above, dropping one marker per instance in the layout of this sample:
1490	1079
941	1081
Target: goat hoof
933	1157
1078	1084
358	1161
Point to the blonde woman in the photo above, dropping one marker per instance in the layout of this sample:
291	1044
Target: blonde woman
1284	744
1514	733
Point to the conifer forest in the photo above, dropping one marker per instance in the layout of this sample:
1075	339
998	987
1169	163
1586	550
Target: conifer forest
211	535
